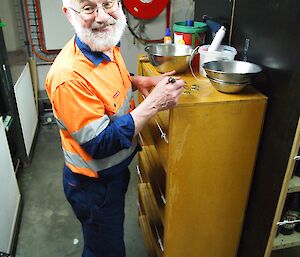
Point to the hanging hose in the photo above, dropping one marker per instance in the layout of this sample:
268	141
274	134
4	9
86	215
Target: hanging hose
143	40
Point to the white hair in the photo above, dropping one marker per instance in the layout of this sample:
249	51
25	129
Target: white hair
67	3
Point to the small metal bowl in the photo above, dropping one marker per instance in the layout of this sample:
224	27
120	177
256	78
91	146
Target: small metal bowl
168	57
227	87
231	71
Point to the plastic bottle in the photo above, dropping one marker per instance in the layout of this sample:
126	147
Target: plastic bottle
215	44
167	38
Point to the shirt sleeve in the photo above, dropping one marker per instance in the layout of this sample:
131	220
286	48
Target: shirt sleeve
83	115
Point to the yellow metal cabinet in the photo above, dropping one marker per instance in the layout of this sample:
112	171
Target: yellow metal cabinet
203	169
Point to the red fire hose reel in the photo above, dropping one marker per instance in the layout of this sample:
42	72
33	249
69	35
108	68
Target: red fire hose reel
145	9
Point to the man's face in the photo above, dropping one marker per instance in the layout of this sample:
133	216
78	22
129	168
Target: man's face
98	23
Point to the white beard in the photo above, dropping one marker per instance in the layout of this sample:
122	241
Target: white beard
101	41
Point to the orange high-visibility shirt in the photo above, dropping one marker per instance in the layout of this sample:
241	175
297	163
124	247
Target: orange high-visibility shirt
91	97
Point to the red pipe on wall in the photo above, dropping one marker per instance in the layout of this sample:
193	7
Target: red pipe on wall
39	55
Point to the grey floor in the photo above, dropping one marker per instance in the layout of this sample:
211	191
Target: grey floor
48	226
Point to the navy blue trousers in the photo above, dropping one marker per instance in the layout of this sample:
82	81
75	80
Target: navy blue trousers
99	206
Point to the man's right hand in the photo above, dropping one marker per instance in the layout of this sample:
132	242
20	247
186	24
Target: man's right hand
166	94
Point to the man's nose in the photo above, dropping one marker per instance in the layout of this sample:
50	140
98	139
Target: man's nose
101	15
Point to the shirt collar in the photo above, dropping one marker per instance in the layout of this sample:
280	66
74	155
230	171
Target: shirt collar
95	57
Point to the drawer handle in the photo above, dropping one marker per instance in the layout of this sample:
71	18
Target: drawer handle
297	158
163	135
139	206
159	239
162	197
161	193
141	138
139	173
281	223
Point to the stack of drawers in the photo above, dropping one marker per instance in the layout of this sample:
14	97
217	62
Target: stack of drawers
195	170
152	194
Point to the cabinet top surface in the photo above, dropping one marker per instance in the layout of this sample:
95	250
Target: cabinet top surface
205	92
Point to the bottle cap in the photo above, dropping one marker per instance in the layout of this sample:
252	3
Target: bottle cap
189	23
168	32
223	28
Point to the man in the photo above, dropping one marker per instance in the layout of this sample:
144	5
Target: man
91	94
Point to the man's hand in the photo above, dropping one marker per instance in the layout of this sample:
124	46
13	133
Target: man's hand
165	95
145	84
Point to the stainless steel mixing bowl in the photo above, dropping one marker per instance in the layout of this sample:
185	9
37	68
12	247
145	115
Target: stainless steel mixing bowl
168	57
231	71
227	87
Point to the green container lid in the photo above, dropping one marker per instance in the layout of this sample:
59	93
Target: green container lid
2	24
196	29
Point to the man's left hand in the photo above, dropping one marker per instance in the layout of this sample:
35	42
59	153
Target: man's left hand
145	84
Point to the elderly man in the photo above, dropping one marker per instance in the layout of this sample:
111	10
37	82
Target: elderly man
91	94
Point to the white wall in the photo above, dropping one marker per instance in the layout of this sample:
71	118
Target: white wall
42	71
57	29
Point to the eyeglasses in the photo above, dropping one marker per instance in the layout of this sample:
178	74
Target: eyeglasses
108	7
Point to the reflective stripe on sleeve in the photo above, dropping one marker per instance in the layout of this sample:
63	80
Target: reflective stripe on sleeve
91	130
99	164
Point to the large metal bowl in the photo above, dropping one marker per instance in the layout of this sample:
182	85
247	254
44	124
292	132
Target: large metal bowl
168	57
231	71
227	87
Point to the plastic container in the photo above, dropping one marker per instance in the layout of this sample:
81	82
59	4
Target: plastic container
225	53
189	33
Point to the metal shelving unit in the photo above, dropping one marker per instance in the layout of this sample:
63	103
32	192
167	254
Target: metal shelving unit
291	186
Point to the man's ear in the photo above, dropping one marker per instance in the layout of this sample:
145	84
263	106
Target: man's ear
67	14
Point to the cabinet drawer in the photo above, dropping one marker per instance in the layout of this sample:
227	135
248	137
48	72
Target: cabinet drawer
155	176
152	244
159	126
143	168
153	233
146	231
154	212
